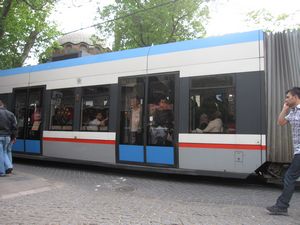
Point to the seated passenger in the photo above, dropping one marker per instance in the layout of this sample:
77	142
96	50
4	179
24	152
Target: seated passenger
214	126
99	123
203	121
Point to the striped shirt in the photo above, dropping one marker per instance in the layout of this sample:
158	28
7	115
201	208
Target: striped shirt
294	119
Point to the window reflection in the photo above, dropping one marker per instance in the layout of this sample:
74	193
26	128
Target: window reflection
95	108
62	109
212	104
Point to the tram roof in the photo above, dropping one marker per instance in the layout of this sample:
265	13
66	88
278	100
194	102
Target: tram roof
145	51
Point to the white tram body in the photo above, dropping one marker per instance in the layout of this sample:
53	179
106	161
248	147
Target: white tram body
234	61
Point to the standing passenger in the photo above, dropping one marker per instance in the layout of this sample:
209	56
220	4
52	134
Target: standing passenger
8	127
135	121
290	114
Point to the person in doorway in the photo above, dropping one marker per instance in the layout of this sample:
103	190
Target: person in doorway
163	123
135	120
290	114
8	127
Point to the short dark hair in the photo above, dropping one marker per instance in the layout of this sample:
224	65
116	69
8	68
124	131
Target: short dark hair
294	91
1	103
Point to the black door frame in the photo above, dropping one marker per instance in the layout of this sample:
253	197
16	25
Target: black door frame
146	116
42	100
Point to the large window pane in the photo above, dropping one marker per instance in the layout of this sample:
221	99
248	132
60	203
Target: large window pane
62	109
34	117
95	108
132	98
20	112
212	104
161	110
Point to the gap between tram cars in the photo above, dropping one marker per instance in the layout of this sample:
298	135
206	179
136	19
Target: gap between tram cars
193	107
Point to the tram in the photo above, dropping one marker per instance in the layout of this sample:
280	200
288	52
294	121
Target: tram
190	107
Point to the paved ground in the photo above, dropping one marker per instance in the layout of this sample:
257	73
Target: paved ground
50	194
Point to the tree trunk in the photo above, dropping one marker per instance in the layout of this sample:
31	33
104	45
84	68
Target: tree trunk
29	44
6	7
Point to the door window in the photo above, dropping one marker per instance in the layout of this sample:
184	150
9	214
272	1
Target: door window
20	112
161	111
34	116
131	113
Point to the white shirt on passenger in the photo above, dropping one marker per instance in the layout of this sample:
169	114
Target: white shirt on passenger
214	126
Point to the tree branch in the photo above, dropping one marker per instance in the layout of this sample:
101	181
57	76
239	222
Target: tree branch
175	24
29	44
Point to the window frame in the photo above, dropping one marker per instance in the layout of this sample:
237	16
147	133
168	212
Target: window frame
219	87
50	126
107	94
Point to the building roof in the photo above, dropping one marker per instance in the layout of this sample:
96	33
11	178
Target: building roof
76	38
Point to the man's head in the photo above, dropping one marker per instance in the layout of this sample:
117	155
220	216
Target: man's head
292	98
1	104
134	101
163	103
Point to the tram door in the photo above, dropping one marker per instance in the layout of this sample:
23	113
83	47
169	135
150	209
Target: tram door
28	112
146	132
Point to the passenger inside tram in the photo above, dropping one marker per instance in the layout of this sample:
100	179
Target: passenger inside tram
62	118
98	123
163	124
215	124
135	121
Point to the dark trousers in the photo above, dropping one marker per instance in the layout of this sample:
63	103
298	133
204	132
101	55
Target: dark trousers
292	174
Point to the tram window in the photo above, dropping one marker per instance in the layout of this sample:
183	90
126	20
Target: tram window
95	108
62	109
212	104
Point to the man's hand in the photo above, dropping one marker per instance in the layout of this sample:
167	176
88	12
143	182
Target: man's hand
14	140
281	118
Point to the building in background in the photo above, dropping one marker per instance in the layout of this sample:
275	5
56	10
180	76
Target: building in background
77	44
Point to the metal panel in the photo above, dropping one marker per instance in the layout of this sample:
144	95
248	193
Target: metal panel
80	151
226	53
18	146
249	103
33	146
237	161
184	106
113	103
132	153
160	155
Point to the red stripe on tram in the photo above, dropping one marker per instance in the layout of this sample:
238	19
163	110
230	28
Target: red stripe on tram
223	146
77	140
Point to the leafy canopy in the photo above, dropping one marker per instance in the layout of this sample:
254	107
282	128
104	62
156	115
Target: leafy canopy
24	28
139	23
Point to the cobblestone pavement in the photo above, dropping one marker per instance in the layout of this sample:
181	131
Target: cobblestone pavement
50	194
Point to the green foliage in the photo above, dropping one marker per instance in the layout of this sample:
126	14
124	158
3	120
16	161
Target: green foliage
269	23
24	28
139	23
47	54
